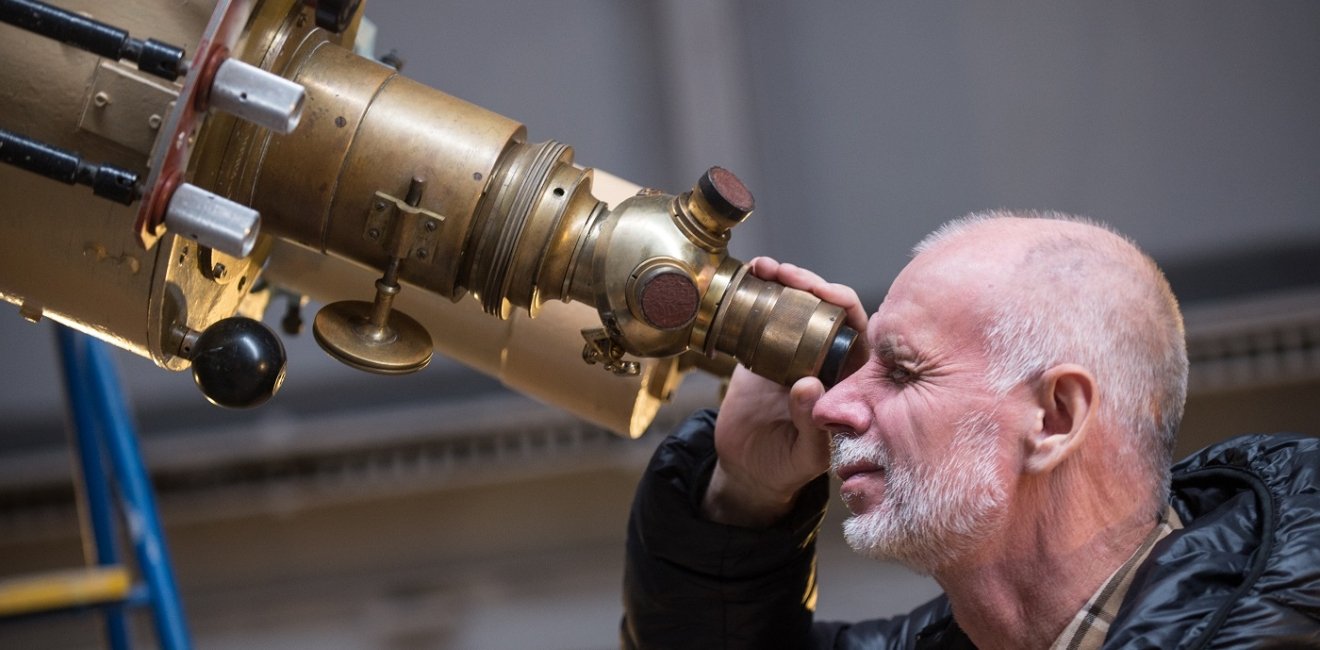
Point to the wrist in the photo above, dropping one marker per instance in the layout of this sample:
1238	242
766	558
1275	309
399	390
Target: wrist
737	503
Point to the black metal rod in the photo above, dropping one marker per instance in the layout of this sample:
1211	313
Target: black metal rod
152	56
38	157
65	27
107	181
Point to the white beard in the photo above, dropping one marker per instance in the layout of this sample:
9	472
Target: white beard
929	515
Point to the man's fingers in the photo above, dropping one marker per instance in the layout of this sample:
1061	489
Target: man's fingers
766	268
791	275
844	296
797	277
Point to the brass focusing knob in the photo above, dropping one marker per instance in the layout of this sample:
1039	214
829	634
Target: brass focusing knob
373	336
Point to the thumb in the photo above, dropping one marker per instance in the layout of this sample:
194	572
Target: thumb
812	444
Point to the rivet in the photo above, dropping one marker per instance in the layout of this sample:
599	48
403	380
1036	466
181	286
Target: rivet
154	122
101	100
430	226
374	233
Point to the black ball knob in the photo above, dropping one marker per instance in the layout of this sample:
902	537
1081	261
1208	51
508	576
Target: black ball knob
238	363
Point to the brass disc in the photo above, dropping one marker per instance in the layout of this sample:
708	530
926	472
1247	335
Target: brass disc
343	329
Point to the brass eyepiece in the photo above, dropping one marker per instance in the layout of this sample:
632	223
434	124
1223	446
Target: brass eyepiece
780	333
664	284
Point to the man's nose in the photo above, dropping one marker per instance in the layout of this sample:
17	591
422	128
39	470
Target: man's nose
842	409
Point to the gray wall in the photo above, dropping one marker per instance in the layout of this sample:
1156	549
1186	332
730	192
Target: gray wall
1191	126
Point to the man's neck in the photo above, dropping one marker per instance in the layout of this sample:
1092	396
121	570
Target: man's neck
1023	591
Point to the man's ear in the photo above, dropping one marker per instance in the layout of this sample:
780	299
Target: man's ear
1066	396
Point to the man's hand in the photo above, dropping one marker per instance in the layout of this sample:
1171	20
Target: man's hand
768	447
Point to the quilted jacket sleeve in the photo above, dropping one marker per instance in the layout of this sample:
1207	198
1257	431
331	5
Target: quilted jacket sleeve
692	583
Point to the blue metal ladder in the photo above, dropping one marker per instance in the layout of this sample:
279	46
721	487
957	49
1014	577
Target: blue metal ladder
115	490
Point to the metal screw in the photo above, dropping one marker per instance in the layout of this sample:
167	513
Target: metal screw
219	270
101	100
421	253
430	226
374	233
380	205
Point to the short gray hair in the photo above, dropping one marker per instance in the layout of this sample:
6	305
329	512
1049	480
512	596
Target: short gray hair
1104	304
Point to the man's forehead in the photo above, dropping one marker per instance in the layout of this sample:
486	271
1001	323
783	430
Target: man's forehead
897	330
931	300
919	335
890	343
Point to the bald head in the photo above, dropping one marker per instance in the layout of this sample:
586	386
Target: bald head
1051	289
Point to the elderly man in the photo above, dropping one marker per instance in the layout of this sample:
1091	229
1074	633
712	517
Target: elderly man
1009	434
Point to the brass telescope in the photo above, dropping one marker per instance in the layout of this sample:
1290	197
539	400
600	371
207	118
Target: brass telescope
280	151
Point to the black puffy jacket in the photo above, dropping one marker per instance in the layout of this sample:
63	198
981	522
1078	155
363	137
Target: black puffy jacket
1245	566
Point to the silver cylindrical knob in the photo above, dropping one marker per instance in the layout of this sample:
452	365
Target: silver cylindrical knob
212	220
260	97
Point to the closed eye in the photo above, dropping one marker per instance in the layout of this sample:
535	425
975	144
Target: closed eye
900	374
